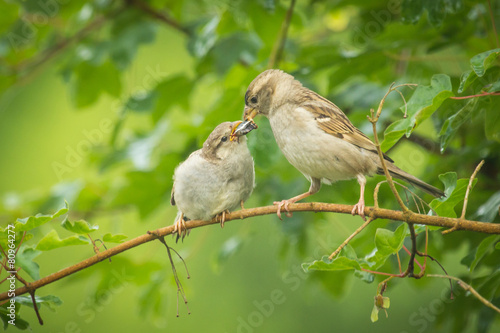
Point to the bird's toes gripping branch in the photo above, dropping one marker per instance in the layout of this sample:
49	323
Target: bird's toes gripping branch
283	204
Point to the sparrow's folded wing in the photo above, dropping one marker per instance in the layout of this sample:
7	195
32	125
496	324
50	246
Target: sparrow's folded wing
334	122
172	199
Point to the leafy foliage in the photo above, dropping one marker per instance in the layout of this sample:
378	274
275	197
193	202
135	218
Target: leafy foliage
173	70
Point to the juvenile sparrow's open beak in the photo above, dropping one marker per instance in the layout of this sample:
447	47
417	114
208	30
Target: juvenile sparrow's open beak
242	128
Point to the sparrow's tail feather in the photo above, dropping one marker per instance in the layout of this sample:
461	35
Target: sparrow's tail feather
400	174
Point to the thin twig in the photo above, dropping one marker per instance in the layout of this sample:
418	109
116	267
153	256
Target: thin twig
183	261
180	289
384	273
399	263
477	95
425	255
146	8
466	198
483	227
35	306
468	288
414	259
279	45
404	100
31	291
469	187
413	252
374	119
20	242
348	239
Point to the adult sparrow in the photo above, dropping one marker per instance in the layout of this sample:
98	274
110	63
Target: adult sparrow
316	137
214	179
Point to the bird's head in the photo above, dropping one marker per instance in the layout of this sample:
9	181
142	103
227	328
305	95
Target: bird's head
267	92
223	141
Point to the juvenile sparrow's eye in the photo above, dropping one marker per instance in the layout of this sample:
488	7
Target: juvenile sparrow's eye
224	139
253	100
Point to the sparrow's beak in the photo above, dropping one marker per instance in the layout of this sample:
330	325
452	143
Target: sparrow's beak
241	128
249	113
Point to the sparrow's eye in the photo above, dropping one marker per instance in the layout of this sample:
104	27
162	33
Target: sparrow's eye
253	100
224	139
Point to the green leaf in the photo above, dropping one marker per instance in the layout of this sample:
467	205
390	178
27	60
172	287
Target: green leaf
482	61
389	242
485	246
364	276
427	99
52	241
374	315
489	210
32	222
455	193
204	39
467	78
128	33
386	302
5	241
234	48
24	259
227	250
172	91
265	22
421	106
453	123
92	81
411	10
146	189
118	238
142	102
393	133
50	301
492	123
494	87
79	227
449	180
497	246
337	264
21	324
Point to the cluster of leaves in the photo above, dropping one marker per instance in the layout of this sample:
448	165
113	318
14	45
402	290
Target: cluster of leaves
348	51
29	247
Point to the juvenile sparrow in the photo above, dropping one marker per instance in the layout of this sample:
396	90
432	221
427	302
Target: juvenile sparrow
214	179
316	137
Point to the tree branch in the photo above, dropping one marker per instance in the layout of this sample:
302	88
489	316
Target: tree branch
146	8
494	93
466	199
279	45
31	65
492	17
468	288
373	118
483	227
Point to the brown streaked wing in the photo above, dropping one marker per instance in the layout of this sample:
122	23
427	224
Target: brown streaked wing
334	122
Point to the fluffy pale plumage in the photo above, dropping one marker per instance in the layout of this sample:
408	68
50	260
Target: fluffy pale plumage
214	179
316	136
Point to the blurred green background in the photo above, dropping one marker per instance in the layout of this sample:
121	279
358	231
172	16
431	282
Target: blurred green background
102	123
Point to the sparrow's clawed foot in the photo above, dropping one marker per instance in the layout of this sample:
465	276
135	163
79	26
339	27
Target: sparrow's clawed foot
283	204
180	228
222	217
359	209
